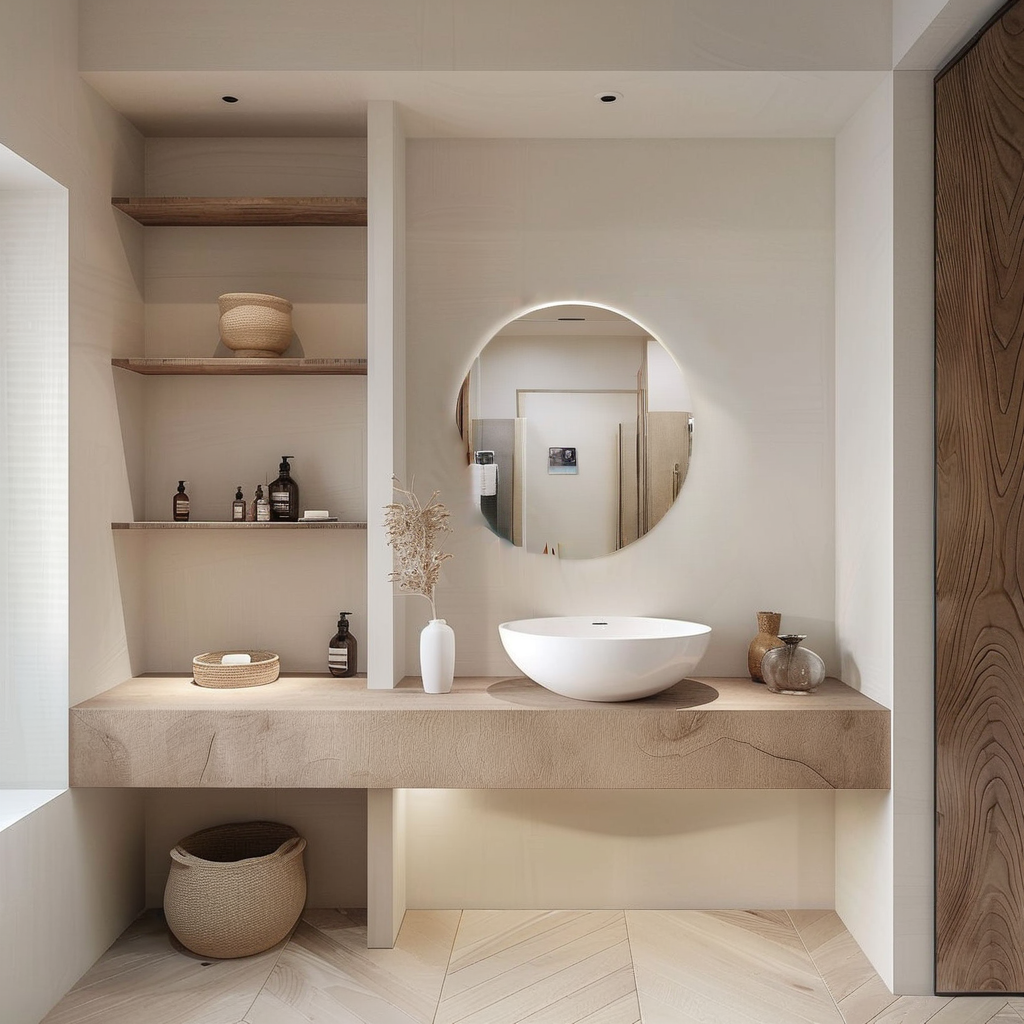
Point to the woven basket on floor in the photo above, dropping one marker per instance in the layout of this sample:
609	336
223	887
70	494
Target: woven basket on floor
207	669
235	890
254	324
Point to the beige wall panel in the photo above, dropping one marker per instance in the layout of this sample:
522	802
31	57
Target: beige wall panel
416	34
320	270
864	493
333	823
599	849
255	167
266	590
697	240
217	432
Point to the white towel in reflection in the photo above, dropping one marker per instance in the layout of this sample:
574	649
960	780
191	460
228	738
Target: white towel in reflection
485	480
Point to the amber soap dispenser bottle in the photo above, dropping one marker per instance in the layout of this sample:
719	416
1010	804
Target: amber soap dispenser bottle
341	651
284	494
179	506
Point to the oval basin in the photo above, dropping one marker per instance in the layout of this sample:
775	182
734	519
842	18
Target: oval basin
616	657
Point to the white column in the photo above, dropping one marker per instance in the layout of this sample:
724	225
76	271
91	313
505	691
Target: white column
385	866
385	325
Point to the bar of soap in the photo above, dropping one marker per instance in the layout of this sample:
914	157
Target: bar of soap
236	659
316	513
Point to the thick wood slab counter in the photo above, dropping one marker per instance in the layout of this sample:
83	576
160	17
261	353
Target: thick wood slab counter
488	733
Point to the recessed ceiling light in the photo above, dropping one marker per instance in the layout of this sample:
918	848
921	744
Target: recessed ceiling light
609	97
230	99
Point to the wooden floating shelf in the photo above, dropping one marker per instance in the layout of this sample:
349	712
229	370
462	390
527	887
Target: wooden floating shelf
229	366
195	525
266	211
488	733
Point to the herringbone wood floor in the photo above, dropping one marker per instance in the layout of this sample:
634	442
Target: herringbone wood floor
518	967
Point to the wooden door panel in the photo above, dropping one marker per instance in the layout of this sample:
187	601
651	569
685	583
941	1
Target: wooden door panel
979	328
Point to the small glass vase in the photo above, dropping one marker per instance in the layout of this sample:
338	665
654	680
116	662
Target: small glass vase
792	668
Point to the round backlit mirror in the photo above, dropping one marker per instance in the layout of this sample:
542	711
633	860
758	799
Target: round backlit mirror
578	430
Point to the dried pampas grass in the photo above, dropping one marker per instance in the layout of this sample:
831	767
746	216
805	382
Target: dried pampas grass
413	530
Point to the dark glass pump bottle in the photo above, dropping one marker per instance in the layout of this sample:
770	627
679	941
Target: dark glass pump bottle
238	506
341	651
180	504
284	495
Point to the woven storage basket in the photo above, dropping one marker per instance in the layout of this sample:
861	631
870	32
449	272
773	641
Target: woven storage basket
208	671
235	890
254	324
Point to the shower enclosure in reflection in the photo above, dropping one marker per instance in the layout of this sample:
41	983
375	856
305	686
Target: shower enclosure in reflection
577	429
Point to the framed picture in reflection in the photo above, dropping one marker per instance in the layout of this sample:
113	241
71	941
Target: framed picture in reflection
562	462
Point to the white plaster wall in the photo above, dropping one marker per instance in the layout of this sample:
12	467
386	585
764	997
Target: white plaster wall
528	35
928	33
913	531
34	455
70	882
724	250
71	873
386	383
538	362
884	518
864	498
910	20
864	414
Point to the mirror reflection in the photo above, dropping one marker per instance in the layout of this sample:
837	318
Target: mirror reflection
578	431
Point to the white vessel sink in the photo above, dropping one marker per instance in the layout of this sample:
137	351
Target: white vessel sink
616	657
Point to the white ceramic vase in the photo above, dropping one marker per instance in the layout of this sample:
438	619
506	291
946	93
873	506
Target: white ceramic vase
437	656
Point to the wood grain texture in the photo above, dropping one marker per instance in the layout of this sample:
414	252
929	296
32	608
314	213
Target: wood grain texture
979	154
721	967
487	733
854	985
502	966
946	1010
510	966
263	211
326	973
147	976
236	367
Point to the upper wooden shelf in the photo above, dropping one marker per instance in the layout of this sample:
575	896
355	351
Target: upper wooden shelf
233	366
488	733
195	524
265	211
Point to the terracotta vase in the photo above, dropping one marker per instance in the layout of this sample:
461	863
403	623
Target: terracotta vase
767	639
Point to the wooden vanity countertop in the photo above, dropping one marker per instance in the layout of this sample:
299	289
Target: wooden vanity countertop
488	733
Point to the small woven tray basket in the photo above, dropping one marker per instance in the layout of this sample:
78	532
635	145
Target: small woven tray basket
208	671
235	890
